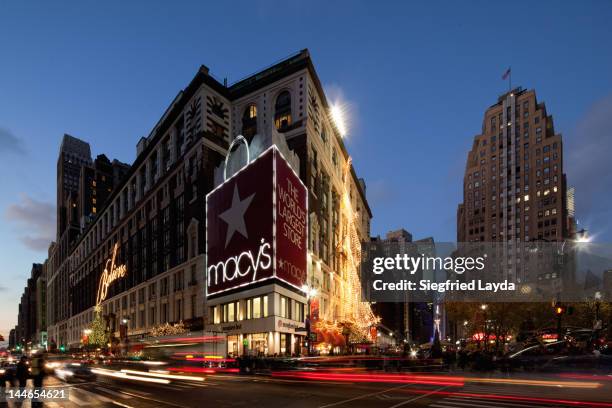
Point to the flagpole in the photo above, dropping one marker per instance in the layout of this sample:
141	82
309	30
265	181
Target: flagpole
510	79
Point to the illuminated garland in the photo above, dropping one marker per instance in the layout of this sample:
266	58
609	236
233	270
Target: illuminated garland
355	317
168	329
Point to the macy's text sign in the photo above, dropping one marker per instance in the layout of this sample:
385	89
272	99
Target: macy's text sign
110	274
256	226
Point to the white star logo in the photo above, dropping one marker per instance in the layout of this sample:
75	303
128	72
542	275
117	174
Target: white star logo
234	216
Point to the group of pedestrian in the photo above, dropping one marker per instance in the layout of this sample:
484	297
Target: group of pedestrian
24	371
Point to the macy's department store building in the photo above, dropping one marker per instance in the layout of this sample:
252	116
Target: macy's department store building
155	219
257	258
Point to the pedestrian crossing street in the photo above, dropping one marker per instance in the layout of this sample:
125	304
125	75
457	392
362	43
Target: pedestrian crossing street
487	396
96	394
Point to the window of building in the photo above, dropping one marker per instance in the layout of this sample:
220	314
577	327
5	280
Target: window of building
298	312
179	279
193	280
216	314
249	121
164	287
282	111
257	307
178	312
230	312
152	287
285	307
218	130
164	313
194	306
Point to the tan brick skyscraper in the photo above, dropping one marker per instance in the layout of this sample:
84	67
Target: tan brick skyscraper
514	188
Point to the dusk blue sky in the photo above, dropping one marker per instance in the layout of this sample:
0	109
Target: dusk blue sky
417	77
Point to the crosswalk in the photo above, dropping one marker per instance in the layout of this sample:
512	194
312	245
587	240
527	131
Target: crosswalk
481	396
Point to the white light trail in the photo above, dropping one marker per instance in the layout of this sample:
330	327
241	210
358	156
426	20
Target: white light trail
163	375
117	374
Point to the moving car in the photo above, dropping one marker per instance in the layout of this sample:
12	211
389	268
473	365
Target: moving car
74	372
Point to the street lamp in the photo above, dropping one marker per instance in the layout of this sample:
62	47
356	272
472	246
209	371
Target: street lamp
583	237
485	335
597	297
310	291
123	334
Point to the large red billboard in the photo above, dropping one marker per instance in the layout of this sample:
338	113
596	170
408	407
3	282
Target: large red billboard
256	226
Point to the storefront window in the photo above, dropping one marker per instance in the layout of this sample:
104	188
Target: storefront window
285	343
232	346
259	343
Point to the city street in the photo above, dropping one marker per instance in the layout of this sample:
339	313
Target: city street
257	391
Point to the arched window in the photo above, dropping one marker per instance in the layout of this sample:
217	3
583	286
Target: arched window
282	111
249	122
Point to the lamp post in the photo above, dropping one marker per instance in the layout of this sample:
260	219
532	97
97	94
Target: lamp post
124	324
109	329
597	324
485	336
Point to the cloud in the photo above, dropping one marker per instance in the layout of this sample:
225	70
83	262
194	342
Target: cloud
36	243
9	143
587	164
36	221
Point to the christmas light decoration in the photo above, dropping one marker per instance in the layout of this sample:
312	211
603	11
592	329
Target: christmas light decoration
355	317
168	329
96	334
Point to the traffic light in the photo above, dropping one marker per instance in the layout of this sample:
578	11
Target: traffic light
62	348
559	309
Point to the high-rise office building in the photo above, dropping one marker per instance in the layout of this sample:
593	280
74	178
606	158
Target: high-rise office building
74	154
514	188
514	191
